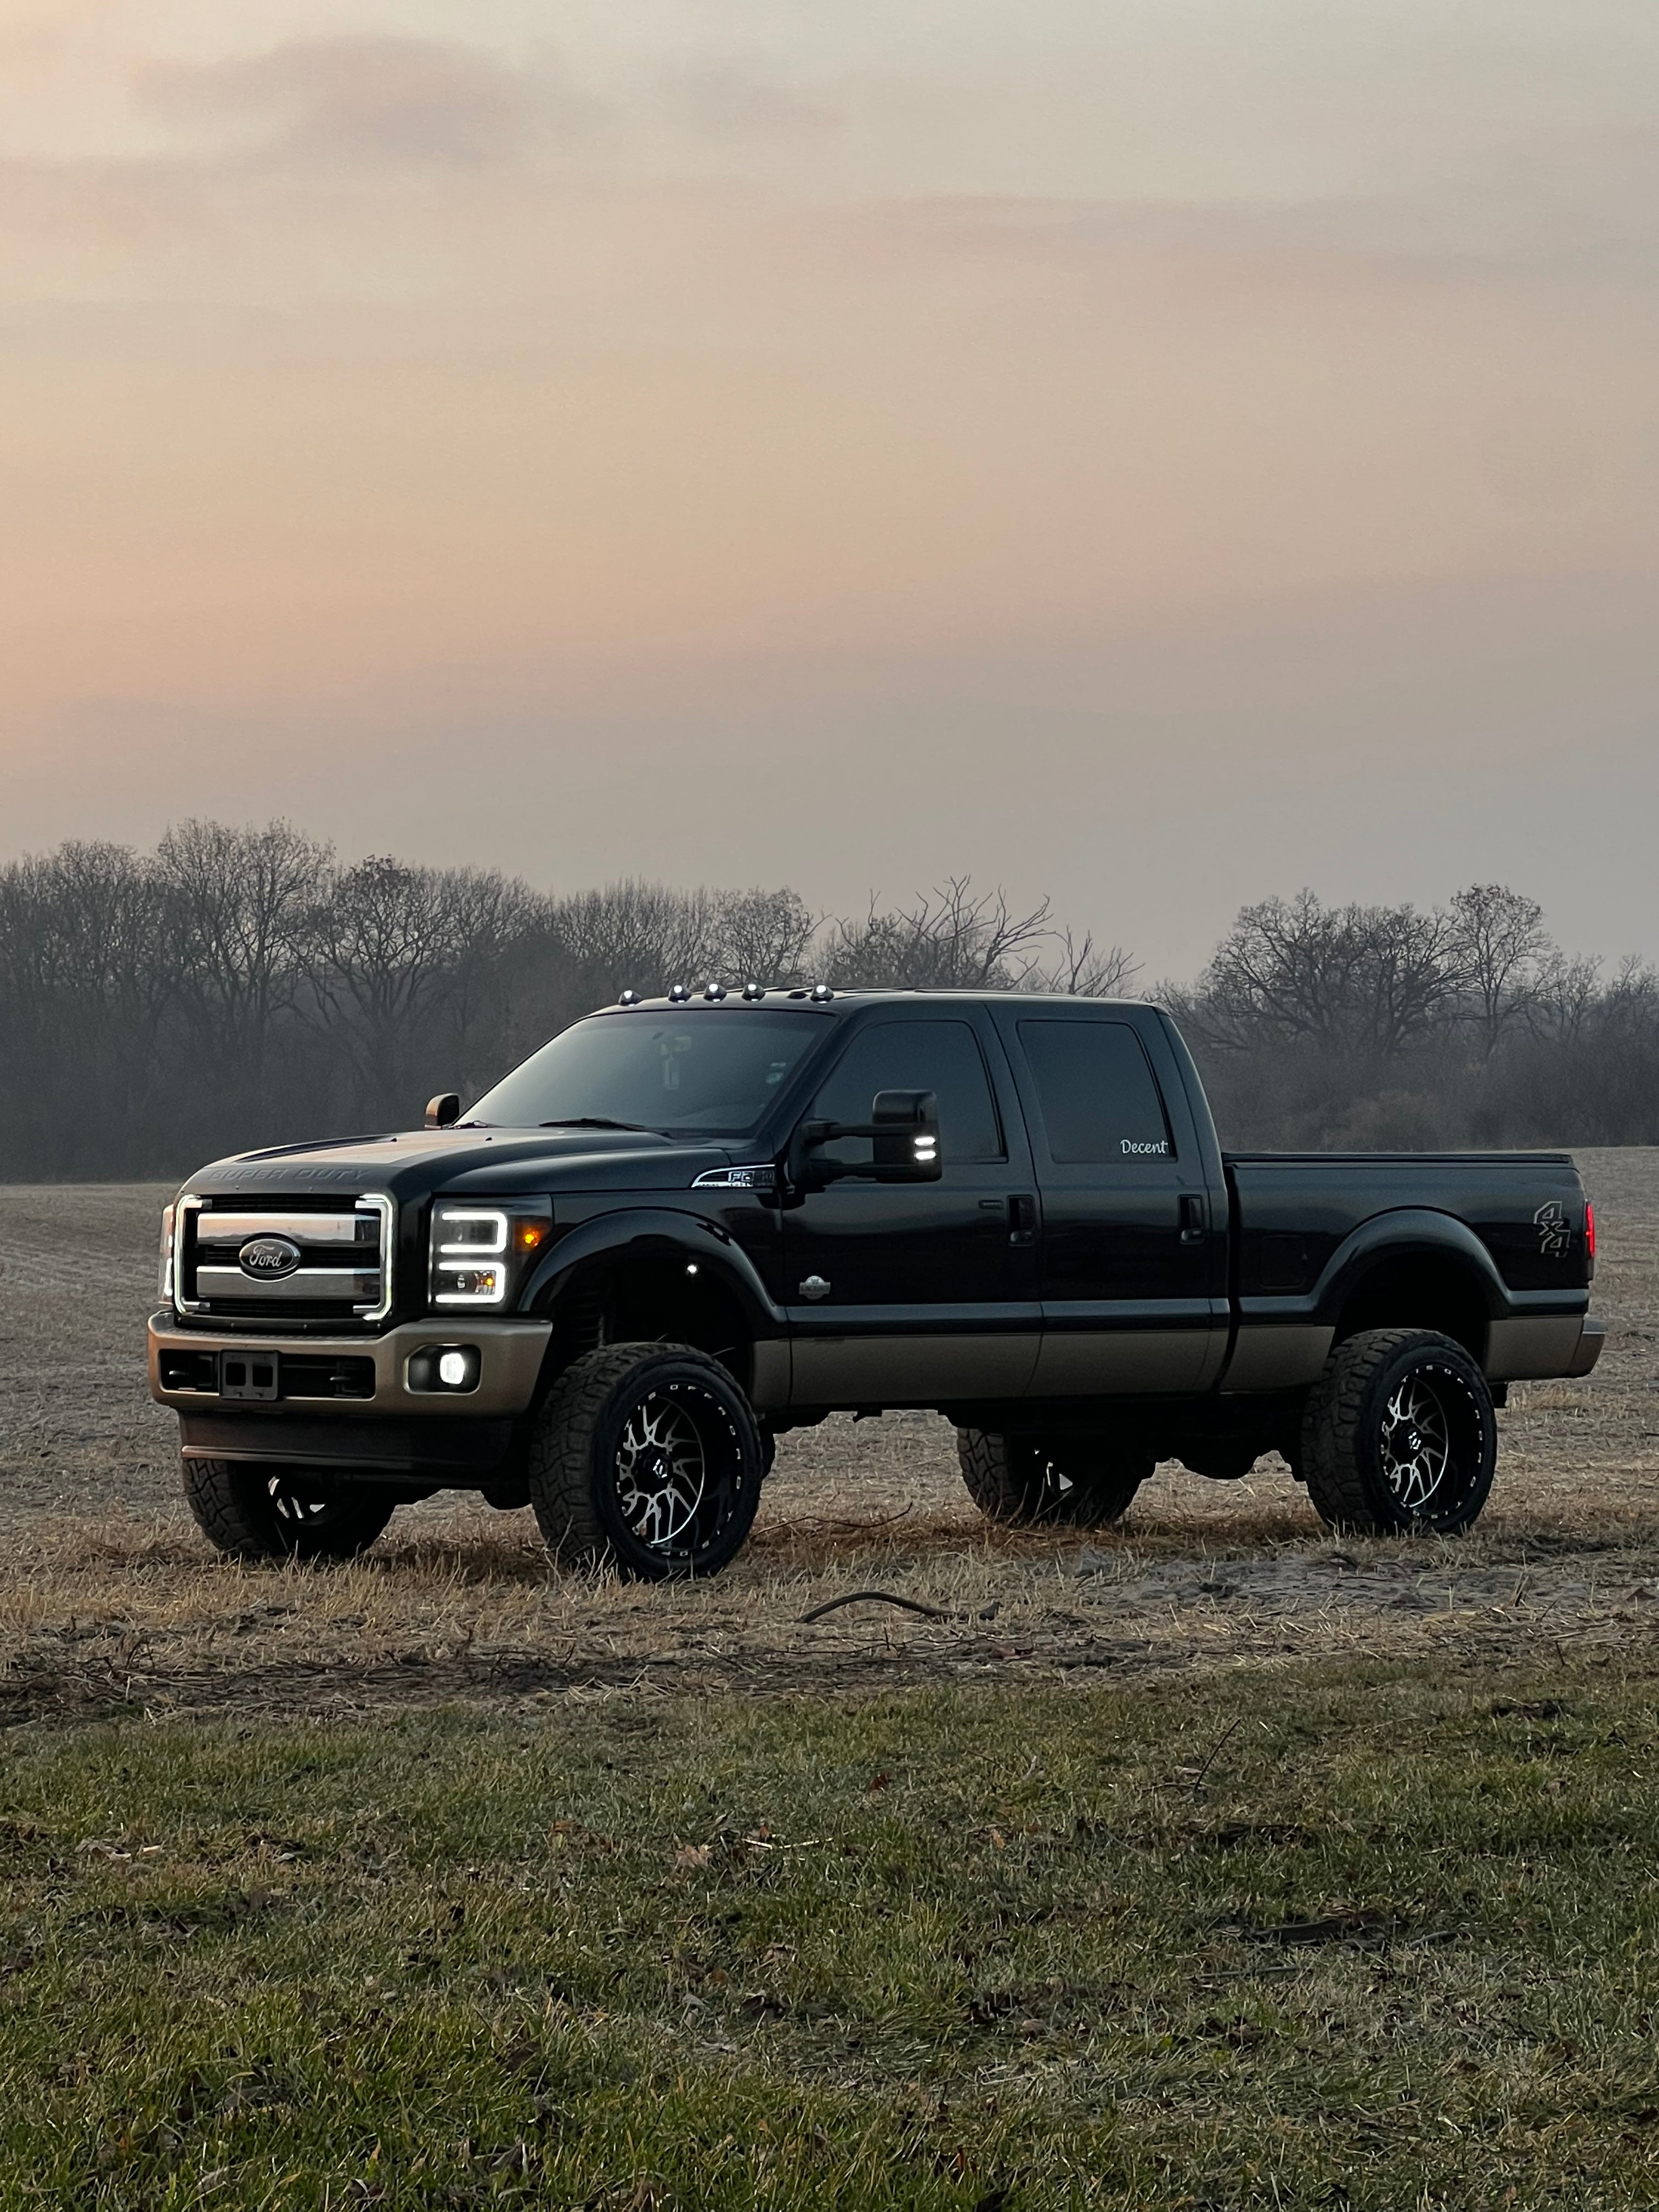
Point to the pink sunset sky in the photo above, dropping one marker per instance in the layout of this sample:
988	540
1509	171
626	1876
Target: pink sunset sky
1154	454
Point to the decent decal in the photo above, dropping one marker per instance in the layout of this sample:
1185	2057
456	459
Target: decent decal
1130	1145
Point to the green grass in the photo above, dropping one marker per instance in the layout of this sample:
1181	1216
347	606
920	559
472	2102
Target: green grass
979	1947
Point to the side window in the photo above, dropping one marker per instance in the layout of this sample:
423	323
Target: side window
938	1056
1099	1097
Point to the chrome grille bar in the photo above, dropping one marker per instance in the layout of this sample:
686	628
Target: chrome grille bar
330	1229
326	1285
207	1281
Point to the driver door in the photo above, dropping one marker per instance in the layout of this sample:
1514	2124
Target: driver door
917	1293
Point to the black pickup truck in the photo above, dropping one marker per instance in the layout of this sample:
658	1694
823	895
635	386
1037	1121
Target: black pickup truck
690	1223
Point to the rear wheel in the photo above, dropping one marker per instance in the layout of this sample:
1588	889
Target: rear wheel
645	1458
254	1511
1399	1435
1030	1482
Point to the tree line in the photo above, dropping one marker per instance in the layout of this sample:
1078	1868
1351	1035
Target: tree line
244	986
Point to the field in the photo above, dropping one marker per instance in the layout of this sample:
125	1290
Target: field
1208	1862
109	1599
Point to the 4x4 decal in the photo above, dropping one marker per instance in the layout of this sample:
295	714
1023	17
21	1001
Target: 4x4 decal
1554	1235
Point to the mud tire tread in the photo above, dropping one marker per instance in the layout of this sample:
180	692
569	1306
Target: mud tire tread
1000	1485
1332	1463
561	1447
231	1505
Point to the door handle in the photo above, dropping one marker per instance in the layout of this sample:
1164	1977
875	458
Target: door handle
1022	1220
1195	1217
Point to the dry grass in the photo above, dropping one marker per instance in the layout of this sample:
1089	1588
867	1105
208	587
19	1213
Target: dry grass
109	1598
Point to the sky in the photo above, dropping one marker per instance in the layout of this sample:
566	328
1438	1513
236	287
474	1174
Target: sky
1155	453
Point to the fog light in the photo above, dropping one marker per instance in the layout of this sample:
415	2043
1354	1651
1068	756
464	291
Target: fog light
445	1367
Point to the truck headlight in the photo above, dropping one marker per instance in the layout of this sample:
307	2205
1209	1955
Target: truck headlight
164	1268
479	1253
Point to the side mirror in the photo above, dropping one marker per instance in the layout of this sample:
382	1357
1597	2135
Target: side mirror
904	1125
443	1111
904	1143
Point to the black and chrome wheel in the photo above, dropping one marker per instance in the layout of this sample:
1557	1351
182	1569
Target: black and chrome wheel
647	1458
1399	1434
1029	1482
258	1511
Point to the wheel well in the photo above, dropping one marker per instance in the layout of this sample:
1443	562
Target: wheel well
1418	1293
648	1298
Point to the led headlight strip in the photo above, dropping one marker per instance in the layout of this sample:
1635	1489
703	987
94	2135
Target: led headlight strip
478	1250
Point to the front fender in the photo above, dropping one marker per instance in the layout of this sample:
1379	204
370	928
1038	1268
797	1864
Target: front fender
656	1232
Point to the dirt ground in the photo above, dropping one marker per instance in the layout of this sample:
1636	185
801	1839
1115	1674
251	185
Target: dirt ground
110	1601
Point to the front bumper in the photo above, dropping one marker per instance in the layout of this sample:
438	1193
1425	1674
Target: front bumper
510	1355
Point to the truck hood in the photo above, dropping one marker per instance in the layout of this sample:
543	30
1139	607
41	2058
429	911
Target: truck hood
413	1163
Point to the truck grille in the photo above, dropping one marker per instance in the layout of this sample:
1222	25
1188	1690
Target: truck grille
284	1261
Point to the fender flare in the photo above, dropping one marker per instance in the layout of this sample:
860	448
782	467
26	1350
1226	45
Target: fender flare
657	1232
1408	1233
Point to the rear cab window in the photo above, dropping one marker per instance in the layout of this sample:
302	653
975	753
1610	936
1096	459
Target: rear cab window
1098	1098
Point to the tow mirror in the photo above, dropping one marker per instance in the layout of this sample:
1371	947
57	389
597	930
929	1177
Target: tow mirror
443	1111
904	1125
904	1143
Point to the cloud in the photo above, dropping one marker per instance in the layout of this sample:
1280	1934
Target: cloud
356	101
730	104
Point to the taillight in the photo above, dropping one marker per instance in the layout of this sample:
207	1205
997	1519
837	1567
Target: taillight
1590	1235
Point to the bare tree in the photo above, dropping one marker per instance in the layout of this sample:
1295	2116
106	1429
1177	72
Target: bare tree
240	905
401	954
949	939
1085	970
1358	979
1501	947
762	936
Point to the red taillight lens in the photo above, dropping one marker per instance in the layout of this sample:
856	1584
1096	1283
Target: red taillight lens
1590	1235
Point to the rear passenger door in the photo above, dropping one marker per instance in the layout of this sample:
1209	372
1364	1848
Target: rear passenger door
1132	1280
918	1293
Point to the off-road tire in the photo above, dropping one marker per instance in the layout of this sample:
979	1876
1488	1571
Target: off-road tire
1025	1482
597	1450
1359	1424
260	1512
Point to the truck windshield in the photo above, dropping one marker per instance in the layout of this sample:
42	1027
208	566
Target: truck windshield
709	1075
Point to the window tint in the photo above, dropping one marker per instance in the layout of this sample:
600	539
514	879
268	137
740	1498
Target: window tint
1100	1100
717	1073
939	1056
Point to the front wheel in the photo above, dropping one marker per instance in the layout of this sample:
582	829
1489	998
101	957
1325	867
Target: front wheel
1027	1482
1399	1435
645	1458
254	1511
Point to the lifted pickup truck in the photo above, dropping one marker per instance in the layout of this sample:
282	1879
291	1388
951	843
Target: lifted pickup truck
690	1223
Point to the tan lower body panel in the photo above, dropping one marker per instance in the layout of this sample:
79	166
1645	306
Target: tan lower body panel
910	1370
768	1388
1532	1348
1127	1363
509	1366
1277	1356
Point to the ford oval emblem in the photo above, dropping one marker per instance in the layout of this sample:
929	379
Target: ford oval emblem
266	1257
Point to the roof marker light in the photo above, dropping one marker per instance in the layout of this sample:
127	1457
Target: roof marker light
714	991
820	993
754	991
628	999
678	993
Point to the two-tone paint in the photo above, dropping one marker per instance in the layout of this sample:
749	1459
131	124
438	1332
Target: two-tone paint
1188	1288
